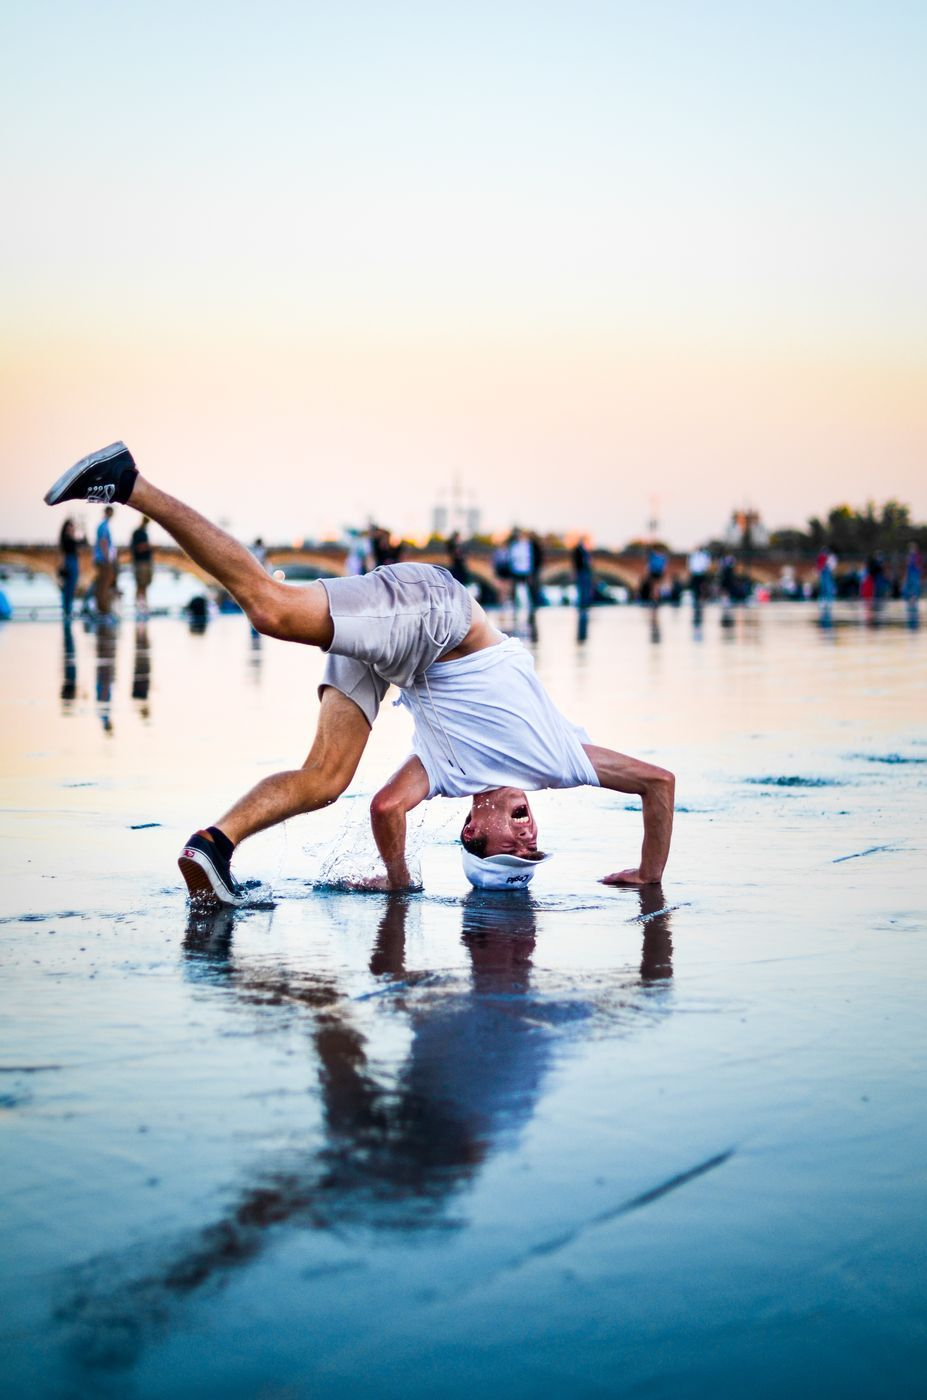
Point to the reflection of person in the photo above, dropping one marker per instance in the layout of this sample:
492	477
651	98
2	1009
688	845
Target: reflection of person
140	546
484	727
141	673
104	559
400	1134
69	669
69	542
106	673
470	1078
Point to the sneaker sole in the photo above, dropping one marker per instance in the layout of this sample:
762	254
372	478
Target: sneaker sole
67	479
203	880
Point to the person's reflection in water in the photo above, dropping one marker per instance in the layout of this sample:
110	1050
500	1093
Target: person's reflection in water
255	657
400	1142
141	672
69	670
654	624
657	951
106	673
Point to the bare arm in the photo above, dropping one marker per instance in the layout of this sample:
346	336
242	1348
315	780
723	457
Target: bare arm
388	810
656	787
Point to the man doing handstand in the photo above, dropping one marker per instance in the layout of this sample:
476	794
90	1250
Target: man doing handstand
484	727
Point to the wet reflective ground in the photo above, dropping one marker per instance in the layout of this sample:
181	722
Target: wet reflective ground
587	1142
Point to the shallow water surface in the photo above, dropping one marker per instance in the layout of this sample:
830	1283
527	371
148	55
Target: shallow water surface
581	1141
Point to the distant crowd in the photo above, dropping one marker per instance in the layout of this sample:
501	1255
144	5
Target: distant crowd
517	572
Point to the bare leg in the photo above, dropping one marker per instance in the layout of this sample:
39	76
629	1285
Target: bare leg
340	740
296	614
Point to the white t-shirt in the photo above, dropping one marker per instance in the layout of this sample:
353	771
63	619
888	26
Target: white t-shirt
485	721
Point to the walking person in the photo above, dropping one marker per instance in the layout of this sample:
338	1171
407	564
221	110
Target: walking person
699	569
105	556
457	559
70	542
484	727
521	559
581	559
140	547
656	571
913	574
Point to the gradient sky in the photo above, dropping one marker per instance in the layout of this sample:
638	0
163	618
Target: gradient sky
314	261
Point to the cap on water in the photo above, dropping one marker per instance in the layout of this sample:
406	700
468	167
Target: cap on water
502	872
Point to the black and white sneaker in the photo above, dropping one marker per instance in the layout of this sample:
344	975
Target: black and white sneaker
105	477
208	876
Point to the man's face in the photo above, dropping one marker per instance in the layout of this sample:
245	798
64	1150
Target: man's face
505	819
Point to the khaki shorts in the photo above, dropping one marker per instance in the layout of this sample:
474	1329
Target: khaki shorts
390	626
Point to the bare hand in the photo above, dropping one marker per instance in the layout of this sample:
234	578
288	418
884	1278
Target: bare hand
628	877
382	884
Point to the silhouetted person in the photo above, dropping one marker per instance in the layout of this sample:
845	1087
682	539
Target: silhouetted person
502	570
581	560
699	571
457	560
537	565
104	559
197	611
521	557
656	572
69	542
913	574
382	548
140	547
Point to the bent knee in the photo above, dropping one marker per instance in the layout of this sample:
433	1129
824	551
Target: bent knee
324	785
384	803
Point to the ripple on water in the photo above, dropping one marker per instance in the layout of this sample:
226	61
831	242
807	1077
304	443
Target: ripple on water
794	780
892	759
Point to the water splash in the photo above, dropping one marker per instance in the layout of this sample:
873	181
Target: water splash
352	858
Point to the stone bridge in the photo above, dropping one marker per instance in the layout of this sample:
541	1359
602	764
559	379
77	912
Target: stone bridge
627	567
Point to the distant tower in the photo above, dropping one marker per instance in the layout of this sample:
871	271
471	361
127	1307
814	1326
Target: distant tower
454	514
653	524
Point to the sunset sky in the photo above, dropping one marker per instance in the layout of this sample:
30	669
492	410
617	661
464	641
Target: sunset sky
313	262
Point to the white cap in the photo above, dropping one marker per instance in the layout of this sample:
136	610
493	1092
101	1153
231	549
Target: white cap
501	872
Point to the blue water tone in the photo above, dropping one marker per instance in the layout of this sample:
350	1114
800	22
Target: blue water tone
577	1141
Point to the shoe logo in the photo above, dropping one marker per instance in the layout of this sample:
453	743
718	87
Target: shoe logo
103	494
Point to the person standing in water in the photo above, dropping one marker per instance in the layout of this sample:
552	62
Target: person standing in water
69	542
141	564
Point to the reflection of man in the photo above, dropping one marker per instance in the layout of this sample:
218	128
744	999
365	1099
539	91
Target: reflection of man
400	1136
484	727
